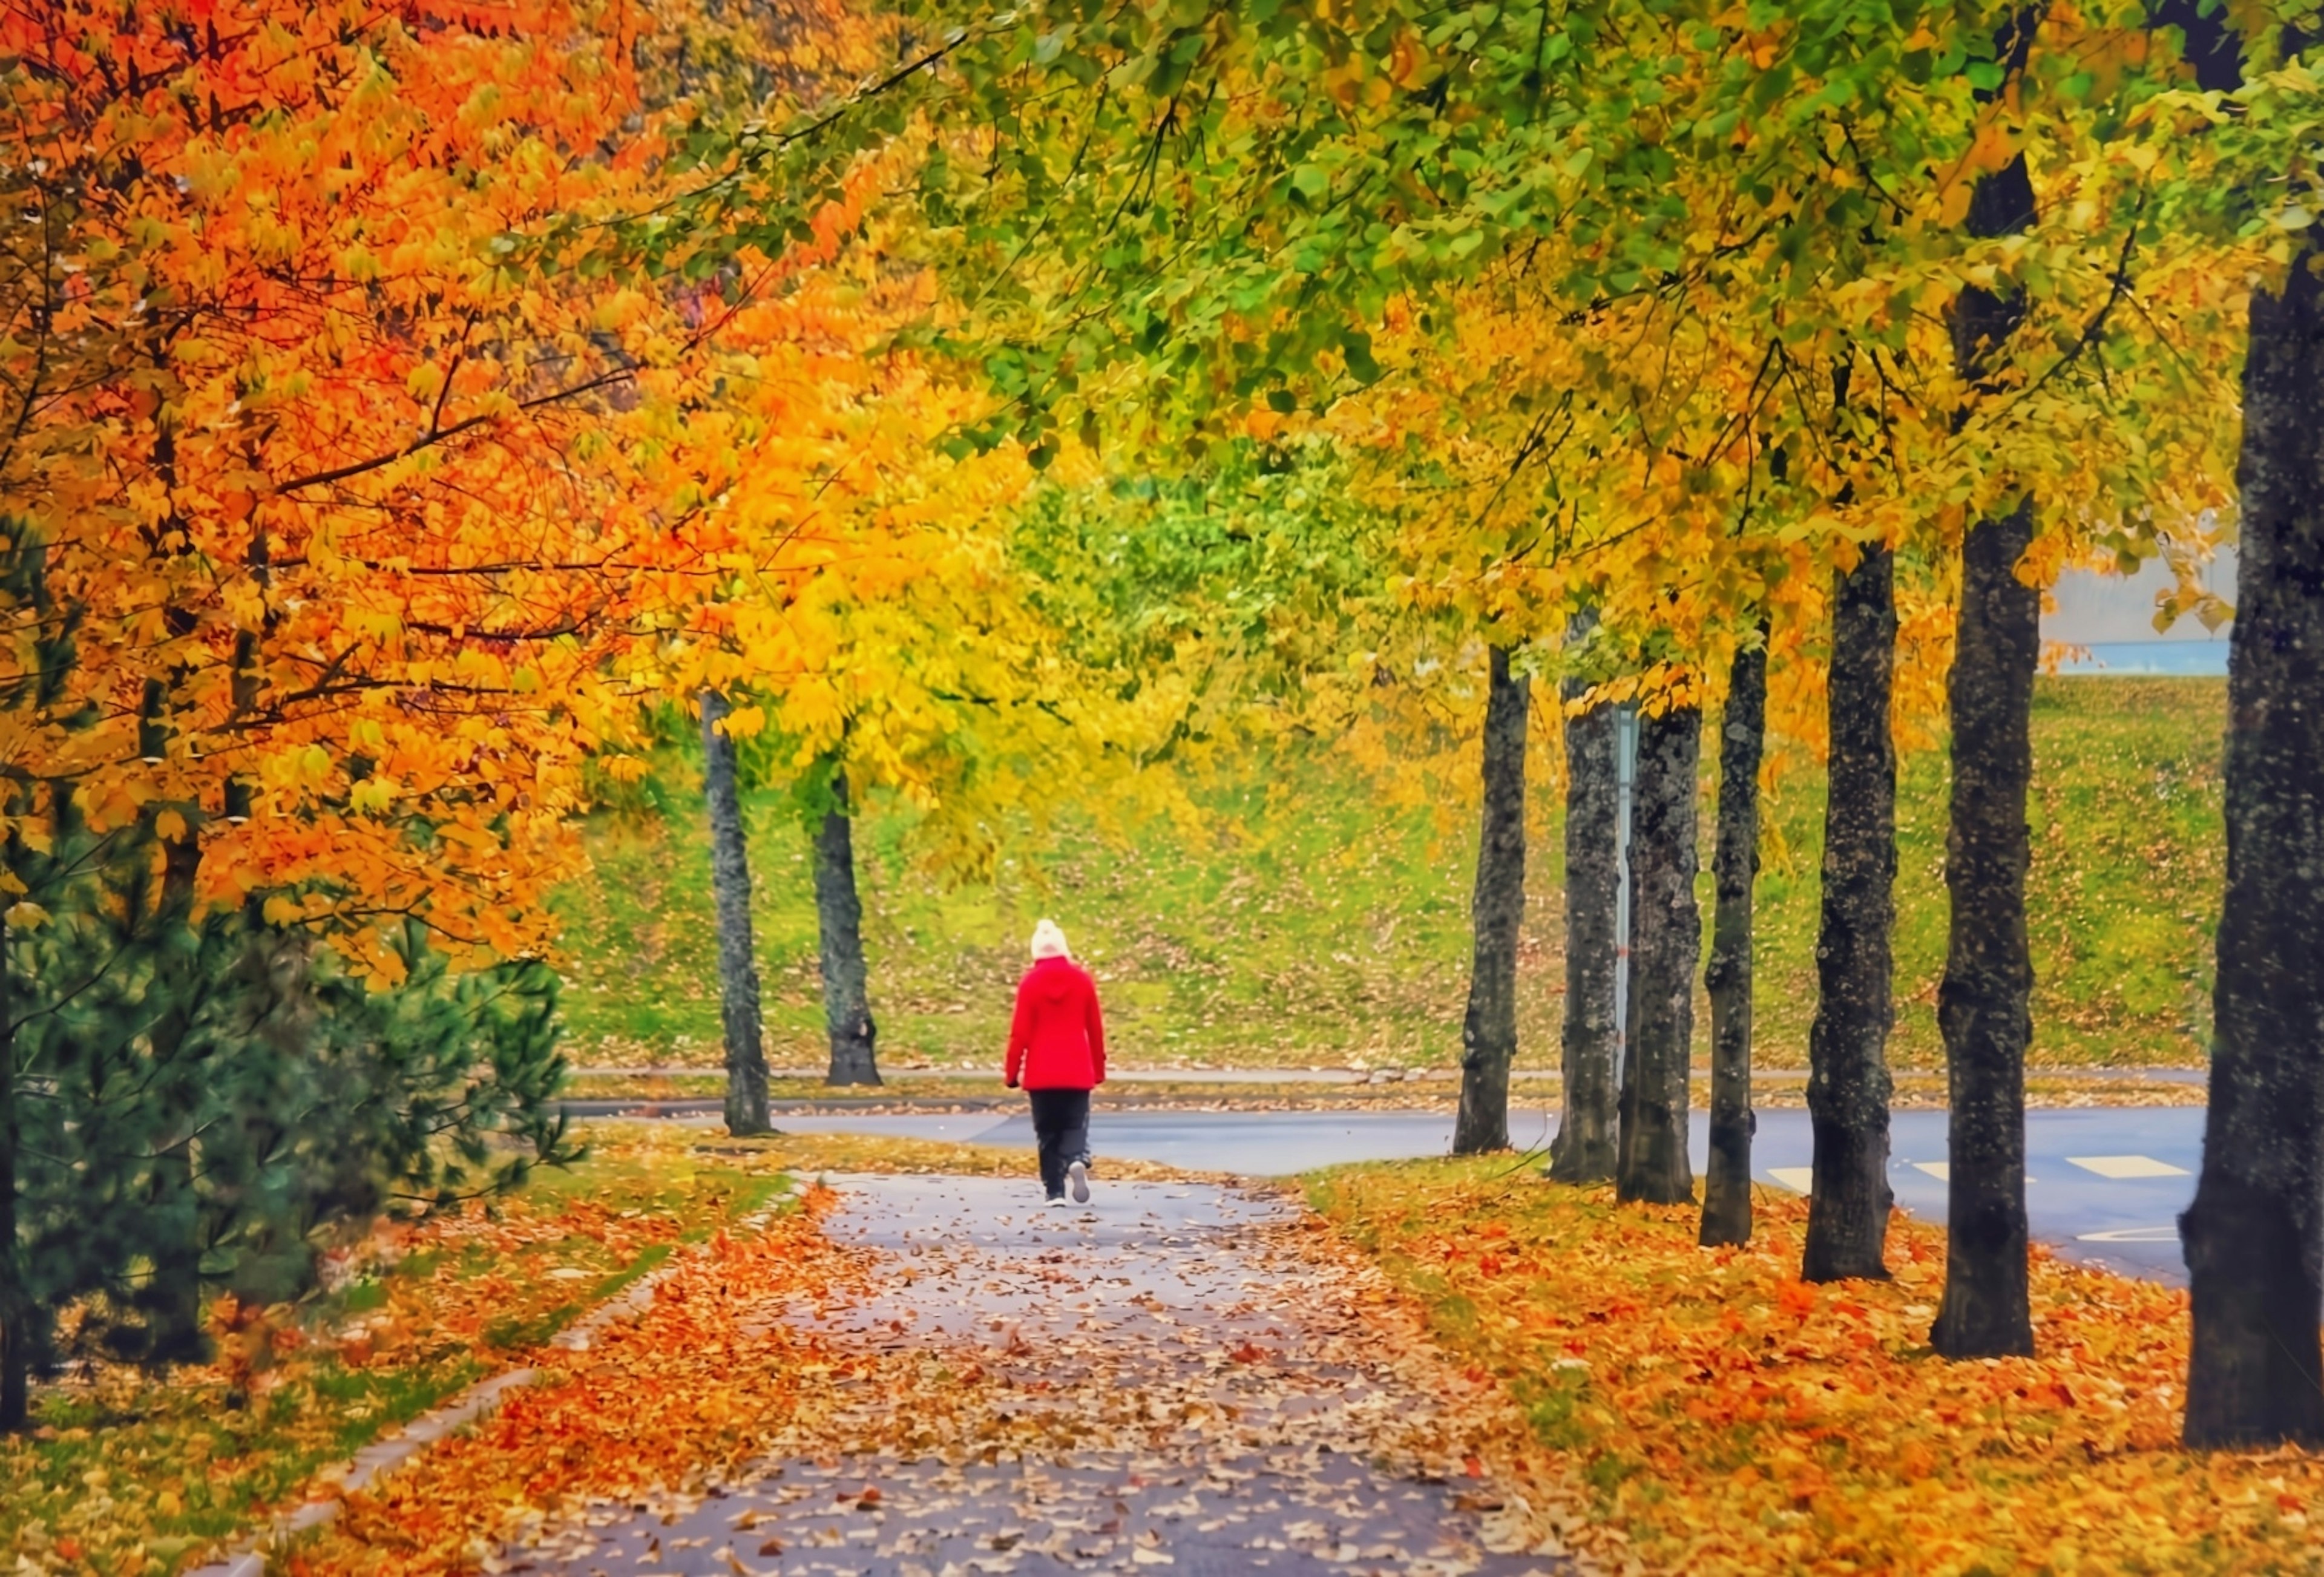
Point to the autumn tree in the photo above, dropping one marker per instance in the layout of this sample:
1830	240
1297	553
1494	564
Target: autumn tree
347	472
1983	1005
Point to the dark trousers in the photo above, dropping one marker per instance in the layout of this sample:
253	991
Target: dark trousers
1061	1131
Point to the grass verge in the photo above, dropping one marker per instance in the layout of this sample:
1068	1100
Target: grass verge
1727	1418
1307	922
128	1472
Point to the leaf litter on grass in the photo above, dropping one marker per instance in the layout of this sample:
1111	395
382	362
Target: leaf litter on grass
132	1471
1730	1418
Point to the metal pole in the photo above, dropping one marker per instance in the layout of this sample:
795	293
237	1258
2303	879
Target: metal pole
1625	777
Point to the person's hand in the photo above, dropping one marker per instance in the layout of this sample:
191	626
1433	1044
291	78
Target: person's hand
1011	1083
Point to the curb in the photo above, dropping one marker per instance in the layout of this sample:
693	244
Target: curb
384	1456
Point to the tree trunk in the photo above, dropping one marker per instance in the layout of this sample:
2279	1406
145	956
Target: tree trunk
1665	945
1583	1151
1848	1044
839	921
1488	1030
15	1298
738	969
1984	1006
2253	1234
172	1301
1734	870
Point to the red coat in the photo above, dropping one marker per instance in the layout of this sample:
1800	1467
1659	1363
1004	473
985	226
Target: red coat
1057	1039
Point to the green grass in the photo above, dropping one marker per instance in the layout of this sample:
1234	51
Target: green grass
1308	924
2129	856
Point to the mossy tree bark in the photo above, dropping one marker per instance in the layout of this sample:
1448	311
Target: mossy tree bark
1488	1030
1666	944
1734	870
839	921
1583	1150
738	969
170	1300
1984	1006
15	1295
2254	1234
1848	1042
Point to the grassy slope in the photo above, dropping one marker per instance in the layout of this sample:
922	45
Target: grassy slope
1308	925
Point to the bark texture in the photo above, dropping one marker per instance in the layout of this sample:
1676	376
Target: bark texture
15	1299
1488	1030
1583	1150
1665	945
2254	1233
1984	1006
1848	1044
738	969
171	1298
839	922
1734	870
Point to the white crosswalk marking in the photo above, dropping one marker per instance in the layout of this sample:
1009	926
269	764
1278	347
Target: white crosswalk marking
2127	1167
1942	1171
1795	1178
2131	1235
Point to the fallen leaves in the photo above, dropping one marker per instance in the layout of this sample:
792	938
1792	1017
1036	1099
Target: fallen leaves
688	1389
1043	1390
1730	1418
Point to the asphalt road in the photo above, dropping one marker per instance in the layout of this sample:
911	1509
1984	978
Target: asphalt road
2105	1186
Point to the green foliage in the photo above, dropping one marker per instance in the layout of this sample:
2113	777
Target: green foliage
1250	580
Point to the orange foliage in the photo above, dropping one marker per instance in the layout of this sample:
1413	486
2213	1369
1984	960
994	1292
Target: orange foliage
354	465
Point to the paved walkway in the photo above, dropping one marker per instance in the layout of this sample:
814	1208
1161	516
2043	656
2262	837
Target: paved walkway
1162	1382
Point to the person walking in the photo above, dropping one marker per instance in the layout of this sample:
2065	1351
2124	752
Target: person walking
1056	1051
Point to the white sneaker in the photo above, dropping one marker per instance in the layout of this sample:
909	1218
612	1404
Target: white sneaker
1077	1175
1059	1201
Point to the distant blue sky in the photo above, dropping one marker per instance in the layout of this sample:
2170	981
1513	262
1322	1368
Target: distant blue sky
2101	609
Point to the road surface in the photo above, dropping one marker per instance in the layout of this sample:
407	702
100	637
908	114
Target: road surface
2105	1184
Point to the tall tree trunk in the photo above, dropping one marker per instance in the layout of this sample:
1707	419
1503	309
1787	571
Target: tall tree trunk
1848	1043
1665	945
1583	1151
15	1298
1488	1030
738	969
2253	1235
1734	870
173	1299
1985	1005
839	921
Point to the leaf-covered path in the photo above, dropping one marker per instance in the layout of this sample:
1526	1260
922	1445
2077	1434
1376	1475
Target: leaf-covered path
1186	1377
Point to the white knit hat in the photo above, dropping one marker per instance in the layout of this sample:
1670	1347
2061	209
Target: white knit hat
1048	941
